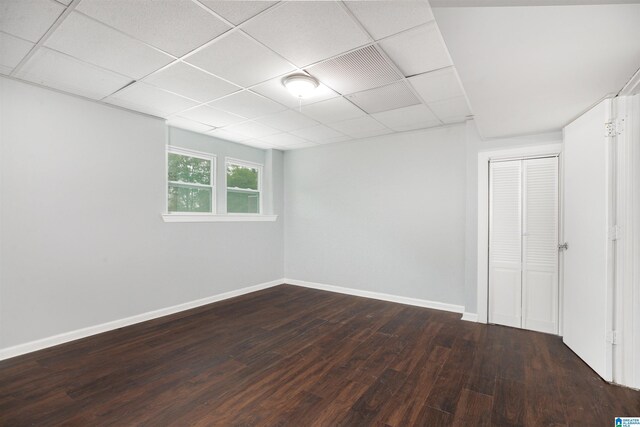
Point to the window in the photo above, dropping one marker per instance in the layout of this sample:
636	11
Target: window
243	187
190	177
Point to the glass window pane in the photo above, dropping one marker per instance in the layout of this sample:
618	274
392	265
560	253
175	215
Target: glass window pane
239	201
242	177
189	199
189	169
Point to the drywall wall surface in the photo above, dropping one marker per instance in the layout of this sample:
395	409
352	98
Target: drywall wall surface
475	144
82	239
383	214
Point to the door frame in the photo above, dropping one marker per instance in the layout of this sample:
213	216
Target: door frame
484	157
626	369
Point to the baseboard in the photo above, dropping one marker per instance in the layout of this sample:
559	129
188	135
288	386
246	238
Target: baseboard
120	323
378	295
470	317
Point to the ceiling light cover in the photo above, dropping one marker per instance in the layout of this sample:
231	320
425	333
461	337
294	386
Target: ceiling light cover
300	85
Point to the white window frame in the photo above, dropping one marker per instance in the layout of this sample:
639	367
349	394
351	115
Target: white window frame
250	165
199	155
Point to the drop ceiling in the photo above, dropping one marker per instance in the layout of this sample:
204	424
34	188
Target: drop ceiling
215	67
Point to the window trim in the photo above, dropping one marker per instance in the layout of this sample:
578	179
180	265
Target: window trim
205	217
251	165
199	155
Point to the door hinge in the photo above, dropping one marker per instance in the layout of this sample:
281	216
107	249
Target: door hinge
613	337
614	127
614	232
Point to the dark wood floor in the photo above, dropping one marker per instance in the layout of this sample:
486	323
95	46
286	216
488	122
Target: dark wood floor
300	357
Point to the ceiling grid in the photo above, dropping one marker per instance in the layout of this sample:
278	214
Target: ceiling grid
223	79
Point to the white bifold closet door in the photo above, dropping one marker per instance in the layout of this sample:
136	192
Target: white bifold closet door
523	244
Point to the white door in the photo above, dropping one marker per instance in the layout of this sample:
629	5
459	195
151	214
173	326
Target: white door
540	245
505	243
523	244
586	298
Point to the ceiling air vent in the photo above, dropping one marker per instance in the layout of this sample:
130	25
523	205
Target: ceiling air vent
362	69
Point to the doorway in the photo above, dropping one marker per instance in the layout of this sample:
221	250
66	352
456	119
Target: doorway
523	243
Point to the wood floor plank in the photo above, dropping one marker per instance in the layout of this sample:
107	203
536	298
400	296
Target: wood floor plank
407	403
366	408
508	403
291	356
474	409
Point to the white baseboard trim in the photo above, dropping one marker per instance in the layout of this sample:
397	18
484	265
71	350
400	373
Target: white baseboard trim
378	295
40	344
470	317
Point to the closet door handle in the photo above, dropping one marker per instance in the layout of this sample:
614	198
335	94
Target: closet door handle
563	247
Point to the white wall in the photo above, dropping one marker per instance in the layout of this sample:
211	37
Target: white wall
82	241
384	214
350	223
81	237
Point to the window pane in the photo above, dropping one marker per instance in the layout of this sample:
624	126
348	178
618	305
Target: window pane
189	199
189	169
239	201
242	177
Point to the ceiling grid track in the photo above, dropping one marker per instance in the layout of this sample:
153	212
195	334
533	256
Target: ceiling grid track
66	12
364	76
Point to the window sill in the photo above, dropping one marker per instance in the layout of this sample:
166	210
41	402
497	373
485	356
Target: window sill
217	218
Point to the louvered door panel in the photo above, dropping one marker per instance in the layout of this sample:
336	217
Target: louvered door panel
505	249
540	245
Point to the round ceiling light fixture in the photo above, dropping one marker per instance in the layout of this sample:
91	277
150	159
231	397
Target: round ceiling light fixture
300	85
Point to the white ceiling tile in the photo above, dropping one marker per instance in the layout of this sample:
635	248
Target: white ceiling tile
437	85
247	104
360	127
5	70
332	110
237	12
453	120
384	18
28	19
450	108
227	136
283	139
342	138
59	71
287	121
307	32
256	143
149	99
418	51
175	26
274	89
298	146
182	123
395	95
93	42
355	71
408	118
371	133
211	116
239	59
12	50
191	82
252	130
318	133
